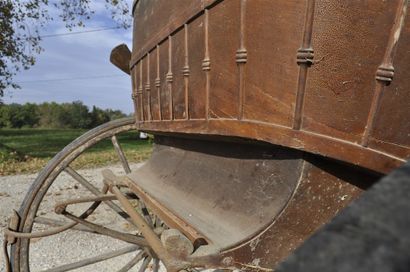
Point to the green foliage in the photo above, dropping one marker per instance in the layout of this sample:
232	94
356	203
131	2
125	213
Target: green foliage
8	154
18	116
27	150
73	115
22	20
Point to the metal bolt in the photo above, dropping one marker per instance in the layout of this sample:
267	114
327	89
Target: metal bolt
227	261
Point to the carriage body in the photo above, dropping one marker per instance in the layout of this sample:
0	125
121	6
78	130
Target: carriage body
269	117
328	78
310	79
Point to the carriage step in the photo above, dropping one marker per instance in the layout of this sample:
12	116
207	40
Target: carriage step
216	193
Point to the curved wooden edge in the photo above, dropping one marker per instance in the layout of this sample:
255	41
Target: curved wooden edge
120	56
185	15
204	3
284	136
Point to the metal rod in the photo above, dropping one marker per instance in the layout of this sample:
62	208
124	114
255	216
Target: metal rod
31	235
93	260
60	206
155	267
121	154
133	262
75	175
57	223
145	264
6	255
147	232
108	232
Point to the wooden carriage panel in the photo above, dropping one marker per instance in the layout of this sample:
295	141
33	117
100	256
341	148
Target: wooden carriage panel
349	41
223	43
391	131
178	84
271	72
197	80
151	15
313	90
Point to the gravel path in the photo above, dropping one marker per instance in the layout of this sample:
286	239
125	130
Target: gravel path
70	245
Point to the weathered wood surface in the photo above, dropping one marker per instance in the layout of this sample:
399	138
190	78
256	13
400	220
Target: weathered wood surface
327	77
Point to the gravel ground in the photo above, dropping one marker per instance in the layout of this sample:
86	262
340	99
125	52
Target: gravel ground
68	246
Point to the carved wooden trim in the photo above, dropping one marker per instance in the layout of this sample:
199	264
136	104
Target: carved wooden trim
140	92
158	85
148	88
385	72
170	78
241	59
304	58
185	71
206	63
134	95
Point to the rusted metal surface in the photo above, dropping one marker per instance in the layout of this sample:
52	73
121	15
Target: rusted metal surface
325	188
315	74
226	191
253	203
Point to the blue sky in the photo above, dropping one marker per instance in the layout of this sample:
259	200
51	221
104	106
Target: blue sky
78	56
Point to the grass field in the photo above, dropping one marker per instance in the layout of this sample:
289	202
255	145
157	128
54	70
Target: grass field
28	150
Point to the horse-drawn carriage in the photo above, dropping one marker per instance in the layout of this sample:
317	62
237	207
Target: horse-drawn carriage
268	118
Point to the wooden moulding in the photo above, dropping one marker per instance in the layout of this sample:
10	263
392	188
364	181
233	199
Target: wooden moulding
284	136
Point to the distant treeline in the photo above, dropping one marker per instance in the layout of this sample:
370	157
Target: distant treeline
54	115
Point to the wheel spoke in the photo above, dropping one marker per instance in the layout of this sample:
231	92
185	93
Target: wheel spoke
57	223
93	260
155	267
133	262
146	214
96	199
120	154
49	232
145	264
147	232
50	225
75	175
108	232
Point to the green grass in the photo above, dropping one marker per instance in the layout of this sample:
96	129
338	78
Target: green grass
28	150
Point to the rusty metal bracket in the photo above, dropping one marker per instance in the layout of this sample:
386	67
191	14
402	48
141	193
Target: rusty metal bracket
9	238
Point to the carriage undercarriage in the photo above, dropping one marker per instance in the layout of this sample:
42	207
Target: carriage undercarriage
178	224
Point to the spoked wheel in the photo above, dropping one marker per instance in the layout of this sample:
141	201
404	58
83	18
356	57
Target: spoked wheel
70	221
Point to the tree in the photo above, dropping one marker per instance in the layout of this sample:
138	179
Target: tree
18	116
114	114
98	117
22	20
79	115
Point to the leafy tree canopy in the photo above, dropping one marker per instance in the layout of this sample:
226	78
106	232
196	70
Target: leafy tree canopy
22	20
53	115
